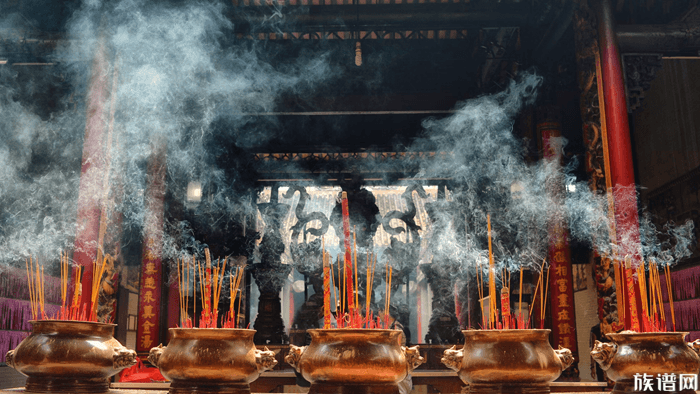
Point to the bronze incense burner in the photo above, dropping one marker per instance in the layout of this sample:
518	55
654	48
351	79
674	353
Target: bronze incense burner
654	354
507	361
211	360
357	361
65	356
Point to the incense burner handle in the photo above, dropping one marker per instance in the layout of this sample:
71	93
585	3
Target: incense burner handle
294	356
123	358
452	358
695	345
9	358
413	357
603	353
155	353
265	359
565	357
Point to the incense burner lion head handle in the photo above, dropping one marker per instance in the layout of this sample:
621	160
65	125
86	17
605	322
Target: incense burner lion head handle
413	357
123	358
603	353
265	359
565	357
294	356
155	353
452	358
9	358
695	345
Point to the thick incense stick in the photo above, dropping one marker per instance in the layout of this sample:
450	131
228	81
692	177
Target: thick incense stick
368	286
354	248
343	293
520	299
480	289
326	288
180	295
207	284
41	294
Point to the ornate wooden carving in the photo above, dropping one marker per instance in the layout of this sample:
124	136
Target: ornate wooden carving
640	70
586	41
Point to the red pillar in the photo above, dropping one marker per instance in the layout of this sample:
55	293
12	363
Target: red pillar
92	172
620	153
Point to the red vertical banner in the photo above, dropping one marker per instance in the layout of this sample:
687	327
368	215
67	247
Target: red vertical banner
561	289
559	253
151	264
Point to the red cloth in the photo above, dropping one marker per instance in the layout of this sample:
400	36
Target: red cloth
140	373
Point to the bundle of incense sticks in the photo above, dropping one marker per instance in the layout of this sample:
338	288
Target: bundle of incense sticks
653	314
97	275
74	311
543	287
183	279
231	319
344	319
35	275
348	260
211	280
210	283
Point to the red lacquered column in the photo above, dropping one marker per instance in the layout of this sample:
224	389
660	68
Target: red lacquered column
620	152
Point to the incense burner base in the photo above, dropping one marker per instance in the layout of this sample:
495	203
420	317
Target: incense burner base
193	387
508	388
41	385
627	387
319	388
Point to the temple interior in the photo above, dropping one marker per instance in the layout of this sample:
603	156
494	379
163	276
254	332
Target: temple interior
415	147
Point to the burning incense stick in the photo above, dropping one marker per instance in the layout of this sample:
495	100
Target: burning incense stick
543	299
348	263
667	270
534	298
618	291
492	278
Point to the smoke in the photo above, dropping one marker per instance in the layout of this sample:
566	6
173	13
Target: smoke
492	181
174	78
